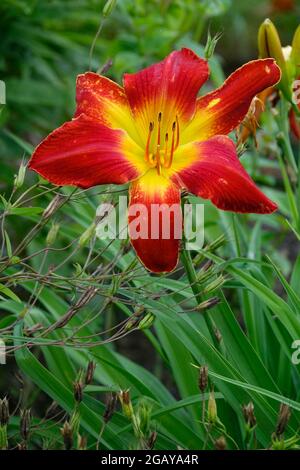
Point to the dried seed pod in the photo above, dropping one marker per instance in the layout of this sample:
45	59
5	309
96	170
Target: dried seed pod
203	378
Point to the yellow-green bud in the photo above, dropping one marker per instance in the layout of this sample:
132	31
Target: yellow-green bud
108	7
295	52
147	321
19	178
52	234
87	235
269	45
126	404
212	414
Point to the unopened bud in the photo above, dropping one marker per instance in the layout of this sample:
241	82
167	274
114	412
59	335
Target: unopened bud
203	378
214	285
147	321
249	416
295	52
81	442
19	178
52	207
52	234
25	421
111	404
151	441
67	434
283	419
87	235
90	373
220	443
209	303
143	415
212	408
4	412
126	404
108	7
211	44
269	45
78	391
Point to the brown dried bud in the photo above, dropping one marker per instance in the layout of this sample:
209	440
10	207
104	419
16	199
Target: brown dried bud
283	419
203	378
248	412
220	443
90	373
67	434
22	446
209	303
110	408
78	391
4	412
52	207
25	421
152	440
81	442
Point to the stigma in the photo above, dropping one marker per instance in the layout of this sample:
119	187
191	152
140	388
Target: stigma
160	146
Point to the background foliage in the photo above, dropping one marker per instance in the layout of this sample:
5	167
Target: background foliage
68	299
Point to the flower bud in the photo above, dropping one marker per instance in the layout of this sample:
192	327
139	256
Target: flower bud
212	408
90	373
52	207
78	391
151	441
52	234
4	412
147	321
67	434
269	45
248	412
220	443
108	7
214	285
203	378
126	404
110	408
295	52
209	303
25	421
19	178
81	442
87	235
143	418
283	419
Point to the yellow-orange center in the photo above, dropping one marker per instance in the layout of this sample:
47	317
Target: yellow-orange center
160	154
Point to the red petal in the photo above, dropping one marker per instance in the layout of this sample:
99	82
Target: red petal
217	174
84	153
104	101
169	87
158	253
222	110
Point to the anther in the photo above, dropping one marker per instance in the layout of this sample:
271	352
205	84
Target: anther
177	133
151	127
169	163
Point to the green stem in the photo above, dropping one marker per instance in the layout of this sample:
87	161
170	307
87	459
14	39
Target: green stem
192	277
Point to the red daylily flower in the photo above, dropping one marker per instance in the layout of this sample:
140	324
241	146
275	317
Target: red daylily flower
155	133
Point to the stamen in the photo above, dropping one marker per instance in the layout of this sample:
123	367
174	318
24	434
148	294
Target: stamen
158	145
165	158
177	134
167	165
147	156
